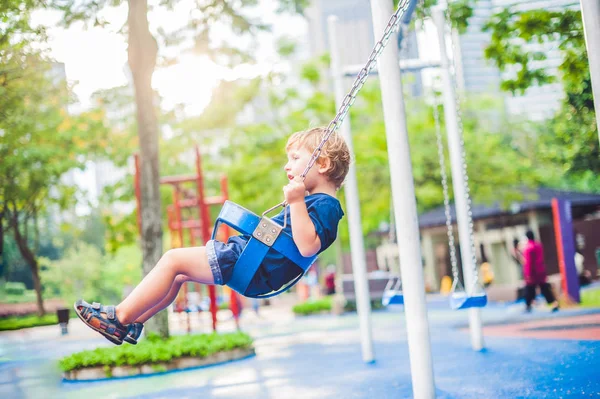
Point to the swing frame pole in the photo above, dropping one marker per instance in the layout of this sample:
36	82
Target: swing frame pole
405	209
458	182
357	245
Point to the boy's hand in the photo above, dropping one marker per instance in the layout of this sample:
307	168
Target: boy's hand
294	191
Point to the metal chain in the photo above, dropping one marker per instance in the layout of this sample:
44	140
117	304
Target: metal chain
442	160
358	83
463	156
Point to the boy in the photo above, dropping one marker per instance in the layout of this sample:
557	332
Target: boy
313	220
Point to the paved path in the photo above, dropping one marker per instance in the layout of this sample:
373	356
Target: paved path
320	357
585	327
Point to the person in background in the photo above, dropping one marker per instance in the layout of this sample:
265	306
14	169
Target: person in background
485	270
517	255
585	277
534	272
330	280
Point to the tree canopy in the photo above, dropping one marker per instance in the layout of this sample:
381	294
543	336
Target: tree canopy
568	140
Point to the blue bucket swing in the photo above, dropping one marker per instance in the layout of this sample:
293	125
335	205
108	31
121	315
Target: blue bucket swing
392	294
460	299
265	234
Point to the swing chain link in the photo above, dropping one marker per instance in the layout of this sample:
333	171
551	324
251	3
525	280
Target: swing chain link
442	160
358	83
463	156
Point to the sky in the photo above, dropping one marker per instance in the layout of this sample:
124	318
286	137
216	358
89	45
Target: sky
95	58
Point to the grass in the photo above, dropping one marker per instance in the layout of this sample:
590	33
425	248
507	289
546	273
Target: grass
590	298
155	350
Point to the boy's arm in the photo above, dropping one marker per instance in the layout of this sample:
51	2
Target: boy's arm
303	230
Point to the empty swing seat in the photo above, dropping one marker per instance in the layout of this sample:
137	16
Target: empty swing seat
392	297
460	300
392	294
264	235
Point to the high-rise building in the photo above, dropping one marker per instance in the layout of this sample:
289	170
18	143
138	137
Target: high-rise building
356	36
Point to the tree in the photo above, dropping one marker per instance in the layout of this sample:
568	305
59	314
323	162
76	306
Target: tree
40	141
143	52
569	138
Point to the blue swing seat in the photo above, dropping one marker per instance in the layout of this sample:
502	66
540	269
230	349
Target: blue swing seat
392	297
265	234
392	294
460	300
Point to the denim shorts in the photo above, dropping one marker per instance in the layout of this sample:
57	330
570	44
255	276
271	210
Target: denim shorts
222	258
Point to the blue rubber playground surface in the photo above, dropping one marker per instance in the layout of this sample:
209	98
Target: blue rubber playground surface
320	357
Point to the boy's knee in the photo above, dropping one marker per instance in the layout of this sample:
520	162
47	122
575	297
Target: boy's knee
170	259
180	279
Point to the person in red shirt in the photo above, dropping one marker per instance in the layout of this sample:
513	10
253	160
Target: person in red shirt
534	273
330	280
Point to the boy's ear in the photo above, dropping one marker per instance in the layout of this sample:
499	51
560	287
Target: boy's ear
324	165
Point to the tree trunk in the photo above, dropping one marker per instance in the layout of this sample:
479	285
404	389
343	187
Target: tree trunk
142	53
31	261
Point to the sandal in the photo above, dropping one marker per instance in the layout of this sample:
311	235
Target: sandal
135	330
93	316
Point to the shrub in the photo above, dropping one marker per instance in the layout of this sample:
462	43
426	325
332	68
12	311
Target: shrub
375	305
16	323
14	288
154	350
590	298
310	307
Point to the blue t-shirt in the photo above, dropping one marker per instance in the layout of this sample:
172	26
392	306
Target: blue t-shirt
276	270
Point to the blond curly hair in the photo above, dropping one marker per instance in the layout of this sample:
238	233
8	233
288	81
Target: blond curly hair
335	149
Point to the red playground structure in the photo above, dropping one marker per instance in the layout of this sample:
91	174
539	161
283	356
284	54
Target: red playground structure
190	213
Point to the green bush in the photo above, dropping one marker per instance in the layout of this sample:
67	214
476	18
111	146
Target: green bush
27	297
84	272
310	307
16	323
14	288
155	350
590	298
351	305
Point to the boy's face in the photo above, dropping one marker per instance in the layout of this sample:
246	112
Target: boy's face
298	157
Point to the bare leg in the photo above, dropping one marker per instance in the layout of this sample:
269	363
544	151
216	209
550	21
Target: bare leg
179	281
191	262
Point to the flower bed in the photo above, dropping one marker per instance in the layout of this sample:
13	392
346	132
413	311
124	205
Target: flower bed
154	355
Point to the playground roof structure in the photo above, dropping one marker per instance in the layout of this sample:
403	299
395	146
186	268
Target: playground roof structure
540	199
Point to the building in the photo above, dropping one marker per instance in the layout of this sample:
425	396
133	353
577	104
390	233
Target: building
356	35
495	229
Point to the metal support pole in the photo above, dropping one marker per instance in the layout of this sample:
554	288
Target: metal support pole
359	263
458	182
405	209
590	13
